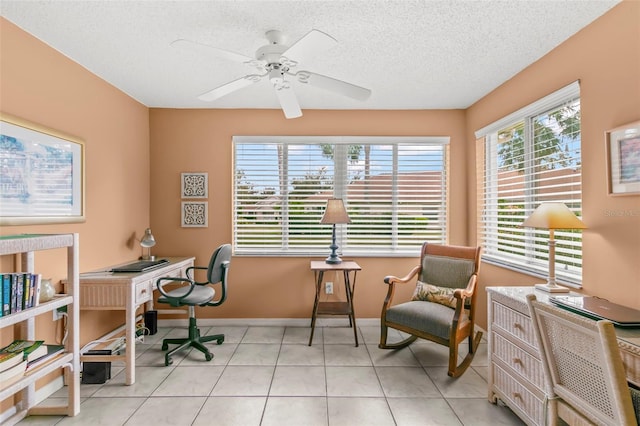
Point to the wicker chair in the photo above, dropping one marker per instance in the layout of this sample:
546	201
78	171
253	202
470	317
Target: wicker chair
586	380
443	306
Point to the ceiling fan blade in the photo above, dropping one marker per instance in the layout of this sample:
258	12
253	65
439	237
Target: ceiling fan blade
205	49
288	101
232	86
338	86
310	44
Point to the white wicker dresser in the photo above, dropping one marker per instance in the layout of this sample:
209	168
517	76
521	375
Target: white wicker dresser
515	374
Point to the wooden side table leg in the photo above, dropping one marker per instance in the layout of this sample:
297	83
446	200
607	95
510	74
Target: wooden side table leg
352	314
314	313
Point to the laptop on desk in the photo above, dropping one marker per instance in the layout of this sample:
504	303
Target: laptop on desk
597	308
140	266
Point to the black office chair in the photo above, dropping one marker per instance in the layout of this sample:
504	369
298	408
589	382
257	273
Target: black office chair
191	293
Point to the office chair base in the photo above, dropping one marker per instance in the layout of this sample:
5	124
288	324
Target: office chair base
194	341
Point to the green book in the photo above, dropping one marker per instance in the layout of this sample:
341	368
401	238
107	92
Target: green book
9	359
51	351
30	349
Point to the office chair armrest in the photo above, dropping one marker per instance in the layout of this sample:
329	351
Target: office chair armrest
390	279
192	279
161	282
223	296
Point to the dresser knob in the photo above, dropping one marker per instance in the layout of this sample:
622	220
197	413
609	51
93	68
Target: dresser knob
517	361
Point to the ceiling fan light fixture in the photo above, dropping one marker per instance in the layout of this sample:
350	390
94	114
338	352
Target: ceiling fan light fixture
273	61
276	77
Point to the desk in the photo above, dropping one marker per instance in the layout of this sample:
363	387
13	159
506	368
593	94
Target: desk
515	367
109	291
319	267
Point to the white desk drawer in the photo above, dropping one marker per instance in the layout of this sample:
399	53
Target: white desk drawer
514	323
519	360
144	291
519	397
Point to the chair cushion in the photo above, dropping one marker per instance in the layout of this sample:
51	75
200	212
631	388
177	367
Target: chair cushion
432	318
432	293
443	271
200	295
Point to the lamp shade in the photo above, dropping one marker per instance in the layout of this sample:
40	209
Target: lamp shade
553	216
335	212
148	240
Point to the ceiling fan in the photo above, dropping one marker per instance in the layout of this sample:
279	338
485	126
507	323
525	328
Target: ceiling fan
278	62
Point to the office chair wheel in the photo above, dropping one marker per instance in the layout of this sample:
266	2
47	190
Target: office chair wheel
165	346
168	361
208	356
220	340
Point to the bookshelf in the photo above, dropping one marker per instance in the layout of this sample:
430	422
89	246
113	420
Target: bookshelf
26	245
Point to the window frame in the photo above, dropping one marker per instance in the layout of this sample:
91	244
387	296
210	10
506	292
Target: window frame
339	190
529	262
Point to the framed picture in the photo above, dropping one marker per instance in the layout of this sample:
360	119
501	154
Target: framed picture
195	214
41	174
194	185
623	159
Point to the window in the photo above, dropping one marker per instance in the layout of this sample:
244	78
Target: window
394	190
530	157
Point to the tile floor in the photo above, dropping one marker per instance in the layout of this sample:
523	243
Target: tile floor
269	376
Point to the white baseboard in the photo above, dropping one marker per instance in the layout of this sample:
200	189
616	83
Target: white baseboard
274	322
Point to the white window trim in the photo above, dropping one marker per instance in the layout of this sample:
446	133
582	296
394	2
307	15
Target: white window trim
540	106
337	140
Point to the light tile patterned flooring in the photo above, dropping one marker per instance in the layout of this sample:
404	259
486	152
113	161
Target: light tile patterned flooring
269	376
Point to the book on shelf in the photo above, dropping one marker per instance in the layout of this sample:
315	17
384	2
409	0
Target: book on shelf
9	375
30	349
9	359
18	291
6	294
52	351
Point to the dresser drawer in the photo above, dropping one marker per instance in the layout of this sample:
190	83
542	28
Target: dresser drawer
521	361
514	323
518	397
144	291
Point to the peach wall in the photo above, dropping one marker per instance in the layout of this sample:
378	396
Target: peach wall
605	57
134	157
276	287
40	85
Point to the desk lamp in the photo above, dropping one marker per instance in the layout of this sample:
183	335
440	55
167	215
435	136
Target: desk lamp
334	213
553	216
147	242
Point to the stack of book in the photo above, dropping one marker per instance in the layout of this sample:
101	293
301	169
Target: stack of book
18	291
23	356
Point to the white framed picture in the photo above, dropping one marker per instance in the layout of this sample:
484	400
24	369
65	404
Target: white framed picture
195	214
623	155
194	185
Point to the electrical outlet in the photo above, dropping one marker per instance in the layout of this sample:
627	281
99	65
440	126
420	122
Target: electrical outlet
328	287
58	313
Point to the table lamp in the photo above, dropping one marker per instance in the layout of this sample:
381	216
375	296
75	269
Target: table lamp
334	213
553	216
147	242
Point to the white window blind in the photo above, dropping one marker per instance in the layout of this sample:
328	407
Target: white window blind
394	190
531	157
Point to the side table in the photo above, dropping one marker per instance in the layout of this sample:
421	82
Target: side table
319	267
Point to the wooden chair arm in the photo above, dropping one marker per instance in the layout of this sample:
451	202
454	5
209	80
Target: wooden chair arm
390	279
464	293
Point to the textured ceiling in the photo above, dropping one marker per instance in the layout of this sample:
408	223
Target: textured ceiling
412	54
